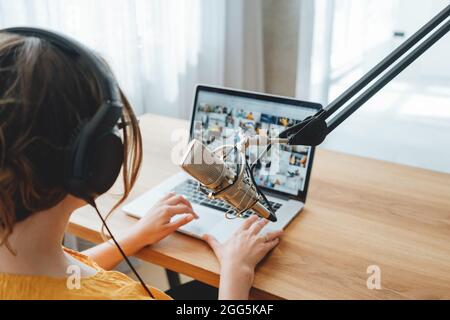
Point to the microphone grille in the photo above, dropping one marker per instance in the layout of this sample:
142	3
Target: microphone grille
203	165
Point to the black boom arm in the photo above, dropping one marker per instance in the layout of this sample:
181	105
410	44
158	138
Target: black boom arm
314	130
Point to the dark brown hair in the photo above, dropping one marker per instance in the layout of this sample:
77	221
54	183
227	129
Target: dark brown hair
44	96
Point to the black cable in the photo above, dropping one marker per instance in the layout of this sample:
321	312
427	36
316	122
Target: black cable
268	148
252	177
94	205
258	189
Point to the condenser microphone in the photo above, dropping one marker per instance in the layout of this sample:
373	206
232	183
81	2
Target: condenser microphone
225	183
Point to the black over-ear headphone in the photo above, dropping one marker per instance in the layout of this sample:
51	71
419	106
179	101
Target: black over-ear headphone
95	154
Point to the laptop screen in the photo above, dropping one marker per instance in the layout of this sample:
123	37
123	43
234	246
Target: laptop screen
222	115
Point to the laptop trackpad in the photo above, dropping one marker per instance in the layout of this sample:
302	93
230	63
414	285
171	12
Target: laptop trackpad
226	228
207	221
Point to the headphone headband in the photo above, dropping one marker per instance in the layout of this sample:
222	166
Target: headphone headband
107	82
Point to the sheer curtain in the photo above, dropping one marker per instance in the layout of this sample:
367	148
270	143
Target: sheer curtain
159	49
314	62
340	41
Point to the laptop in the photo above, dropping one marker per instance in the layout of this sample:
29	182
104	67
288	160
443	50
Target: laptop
219	114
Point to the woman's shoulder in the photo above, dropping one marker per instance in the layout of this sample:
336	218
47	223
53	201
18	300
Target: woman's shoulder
82	258
104	285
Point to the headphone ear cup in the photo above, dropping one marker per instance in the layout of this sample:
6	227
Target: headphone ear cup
92	167
74	182
105	162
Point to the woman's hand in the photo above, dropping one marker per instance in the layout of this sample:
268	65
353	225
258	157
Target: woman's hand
155	226
239	256
157	223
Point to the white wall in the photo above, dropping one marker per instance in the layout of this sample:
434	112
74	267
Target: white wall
280	23
407	122
412	14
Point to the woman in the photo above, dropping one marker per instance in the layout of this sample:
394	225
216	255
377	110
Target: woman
44	96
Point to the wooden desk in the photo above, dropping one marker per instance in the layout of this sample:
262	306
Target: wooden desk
360	212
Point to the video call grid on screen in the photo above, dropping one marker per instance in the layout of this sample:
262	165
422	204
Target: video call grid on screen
219	118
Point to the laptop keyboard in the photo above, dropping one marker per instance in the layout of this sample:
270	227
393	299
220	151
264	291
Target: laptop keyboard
189	190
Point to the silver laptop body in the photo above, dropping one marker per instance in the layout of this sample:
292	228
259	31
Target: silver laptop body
224	111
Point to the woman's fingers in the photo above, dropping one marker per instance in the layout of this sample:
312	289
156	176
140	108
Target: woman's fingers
248	222
257	227
170	211
273	235
177	199
213	243
173	226
271	244
167	196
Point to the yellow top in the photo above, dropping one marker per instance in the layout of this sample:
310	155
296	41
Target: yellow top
104	285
